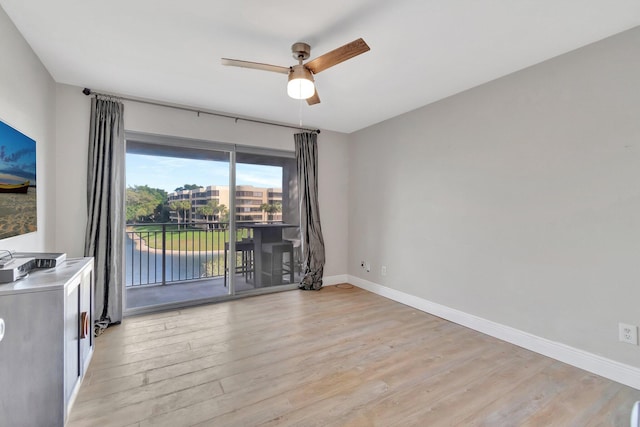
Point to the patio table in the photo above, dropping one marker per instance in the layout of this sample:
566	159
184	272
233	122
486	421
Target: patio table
264	233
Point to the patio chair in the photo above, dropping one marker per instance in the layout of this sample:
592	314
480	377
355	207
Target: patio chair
246	267
278	267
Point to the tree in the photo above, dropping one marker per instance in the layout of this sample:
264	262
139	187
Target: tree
271	208
144	204
188	187
181	205
224	217
206	211
211	209
223	213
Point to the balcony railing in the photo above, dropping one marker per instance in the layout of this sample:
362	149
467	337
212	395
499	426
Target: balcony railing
170	252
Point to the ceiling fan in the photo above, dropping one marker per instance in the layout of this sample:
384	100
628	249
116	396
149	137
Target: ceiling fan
300	84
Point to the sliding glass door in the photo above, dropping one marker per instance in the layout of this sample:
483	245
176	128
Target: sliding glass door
269	215
207	221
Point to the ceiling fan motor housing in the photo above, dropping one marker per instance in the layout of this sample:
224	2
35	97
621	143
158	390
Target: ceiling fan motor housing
300	51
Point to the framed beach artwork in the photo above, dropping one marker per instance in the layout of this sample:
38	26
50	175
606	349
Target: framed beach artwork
17	183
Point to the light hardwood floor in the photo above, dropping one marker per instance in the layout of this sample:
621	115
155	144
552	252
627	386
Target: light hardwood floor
338	357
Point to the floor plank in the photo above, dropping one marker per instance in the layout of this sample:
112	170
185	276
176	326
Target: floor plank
338	357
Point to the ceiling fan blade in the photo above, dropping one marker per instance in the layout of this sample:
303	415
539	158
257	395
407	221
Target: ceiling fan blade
255	65
337	56
315	99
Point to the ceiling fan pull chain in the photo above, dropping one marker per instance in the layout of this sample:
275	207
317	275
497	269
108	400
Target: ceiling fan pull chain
300	112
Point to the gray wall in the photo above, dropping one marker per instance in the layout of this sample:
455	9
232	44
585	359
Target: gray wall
27	103
517	201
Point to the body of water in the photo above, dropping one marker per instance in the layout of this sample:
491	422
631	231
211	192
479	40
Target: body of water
145	267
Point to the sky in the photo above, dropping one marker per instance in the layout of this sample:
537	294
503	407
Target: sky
169	173
17	156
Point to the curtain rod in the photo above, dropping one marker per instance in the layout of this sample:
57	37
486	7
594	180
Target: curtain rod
88	92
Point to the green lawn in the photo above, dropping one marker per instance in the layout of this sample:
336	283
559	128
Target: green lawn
188	239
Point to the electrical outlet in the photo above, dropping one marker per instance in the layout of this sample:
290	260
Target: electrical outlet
628	333
368	267
383	270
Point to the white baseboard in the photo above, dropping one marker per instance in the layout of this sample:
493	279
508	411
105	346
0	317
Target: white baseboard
593	363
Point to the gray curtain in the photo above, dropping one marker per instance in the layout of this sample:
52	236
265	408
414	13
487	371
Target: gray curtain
312	241
104	233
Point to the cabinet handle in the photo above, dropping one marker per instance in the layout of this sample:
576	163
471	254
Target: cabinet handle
84	325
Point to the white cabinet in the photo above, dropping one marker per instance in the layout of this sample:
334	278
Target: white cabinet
47	345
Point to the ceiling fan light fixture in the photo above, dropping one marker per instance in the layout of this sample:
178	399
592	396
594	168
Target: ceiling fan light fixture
300	84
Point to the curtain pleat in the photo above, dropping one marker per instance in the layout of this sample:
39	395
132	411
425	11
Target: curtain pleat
306	146
104	234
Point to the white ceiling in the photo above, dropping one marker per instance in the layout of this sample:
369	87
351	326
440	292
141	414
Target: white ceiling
421	50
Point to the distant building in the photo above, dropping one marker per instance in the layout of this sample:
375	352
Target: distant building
248	202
